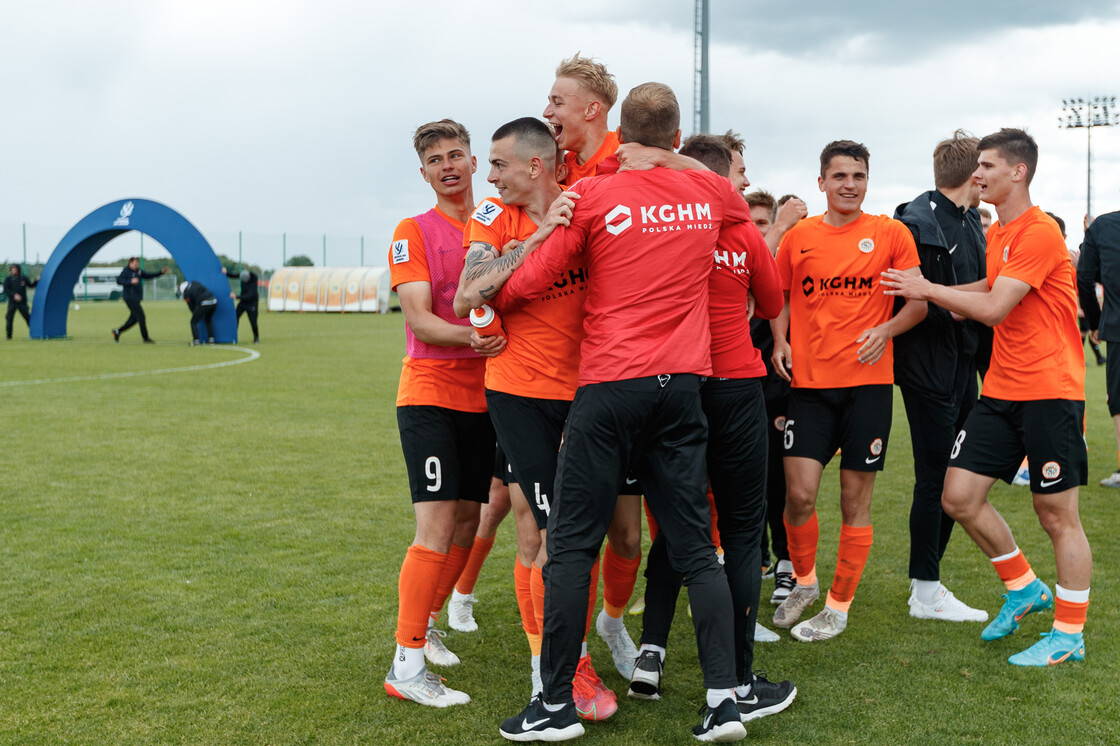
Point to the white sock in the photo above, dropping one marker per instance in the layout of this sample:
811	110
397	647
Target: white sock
927	591
785	566
742	691
655	648
609	622
552	708
432	620
583	650
535	667
408	662
715	696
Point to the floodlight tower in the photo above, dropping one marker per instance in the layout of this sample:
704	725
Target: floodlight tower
700	71
1099	111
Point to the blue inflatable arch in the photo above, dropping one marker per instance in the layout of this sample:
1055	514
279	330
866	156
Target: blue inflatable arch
187	246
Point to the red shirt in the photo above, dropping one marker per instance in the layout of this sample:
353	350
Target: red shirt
648	239
734	275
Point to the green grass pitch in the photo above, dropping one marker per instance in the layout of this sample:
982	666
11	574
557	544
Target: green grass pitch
209	555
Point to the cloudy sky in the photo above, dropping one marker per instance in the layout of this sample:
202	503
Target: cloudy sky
293	117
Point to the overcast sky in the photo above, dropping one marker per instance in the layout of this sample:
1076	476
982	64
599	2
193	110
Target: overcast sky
296	117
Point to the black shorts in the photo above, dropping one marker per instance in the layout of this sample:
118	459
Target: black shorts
1112	380
998	433
501	465
529	431
857	420
631	486
449	454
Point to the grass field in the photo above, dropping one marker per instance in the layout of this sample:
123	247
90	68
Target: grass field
210	556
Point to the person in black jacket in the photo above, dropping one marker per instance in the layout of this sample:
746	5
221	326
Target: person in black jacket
935	364
1100	262
248	300
15	287
203	304
131	278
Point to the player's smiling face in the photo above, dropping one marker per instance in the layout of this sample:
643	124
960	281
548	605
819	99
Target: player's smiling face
738	175
448	166
509	172
844	184
567	106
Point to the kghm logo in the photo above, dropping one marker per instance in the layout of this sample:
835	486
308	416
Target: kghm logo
616	226
126	211
838	285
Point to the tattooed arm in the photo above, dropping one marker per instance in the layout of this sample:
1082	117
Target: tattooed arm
485	270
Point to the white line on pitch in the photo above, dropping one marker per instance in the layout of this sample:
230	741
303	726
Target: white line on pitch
252	355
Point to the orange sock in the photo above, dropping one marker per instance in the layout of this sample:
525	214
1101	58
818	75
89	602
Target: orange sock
524	593
651	522
536	588
802	541
1014	570
715	520
592	597
419	578
456	559
851	558
1070	610
619	577
469	576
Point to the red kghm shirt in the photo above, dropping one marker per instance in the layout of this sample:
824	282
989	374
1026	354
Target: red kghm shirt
648	239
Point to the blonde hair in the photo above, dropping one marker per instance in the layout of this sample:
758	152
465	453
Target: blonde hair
591	75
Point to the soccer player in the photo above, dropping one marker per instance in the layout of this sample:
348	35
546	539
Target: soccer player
935	365
1100	262
131	279
15	288
841	327
648	238
578	104
446	435
581	97
732	401
530	386
1032	402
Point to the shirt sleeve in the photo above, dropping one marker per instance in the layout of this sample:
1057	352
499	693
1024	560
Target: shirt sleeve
1088	274
785	271
1032	257
904	253
407	260
766	285
485	224
543	265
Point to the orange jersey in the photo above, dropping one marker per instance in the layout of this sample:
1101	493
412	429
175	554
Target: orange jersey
832	276
1036	351
452	384
577	171
541	358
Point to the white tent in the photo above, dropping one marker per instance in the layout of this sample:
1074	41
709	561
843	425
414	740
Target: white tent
331	289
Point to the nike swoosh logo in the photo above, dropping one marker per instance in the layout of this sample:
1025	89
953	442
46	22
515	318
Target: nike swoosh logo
752	701
529	726
1044	483
631	481
806	251
871	460
419	639
953	249
1052	661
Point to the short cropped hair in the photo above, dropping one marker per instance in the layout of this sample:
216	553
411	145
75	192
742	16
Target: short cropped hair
427	135
591	75
762	198
532	138
1015	146
954	160
711	150
848	148
733	141
650	116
